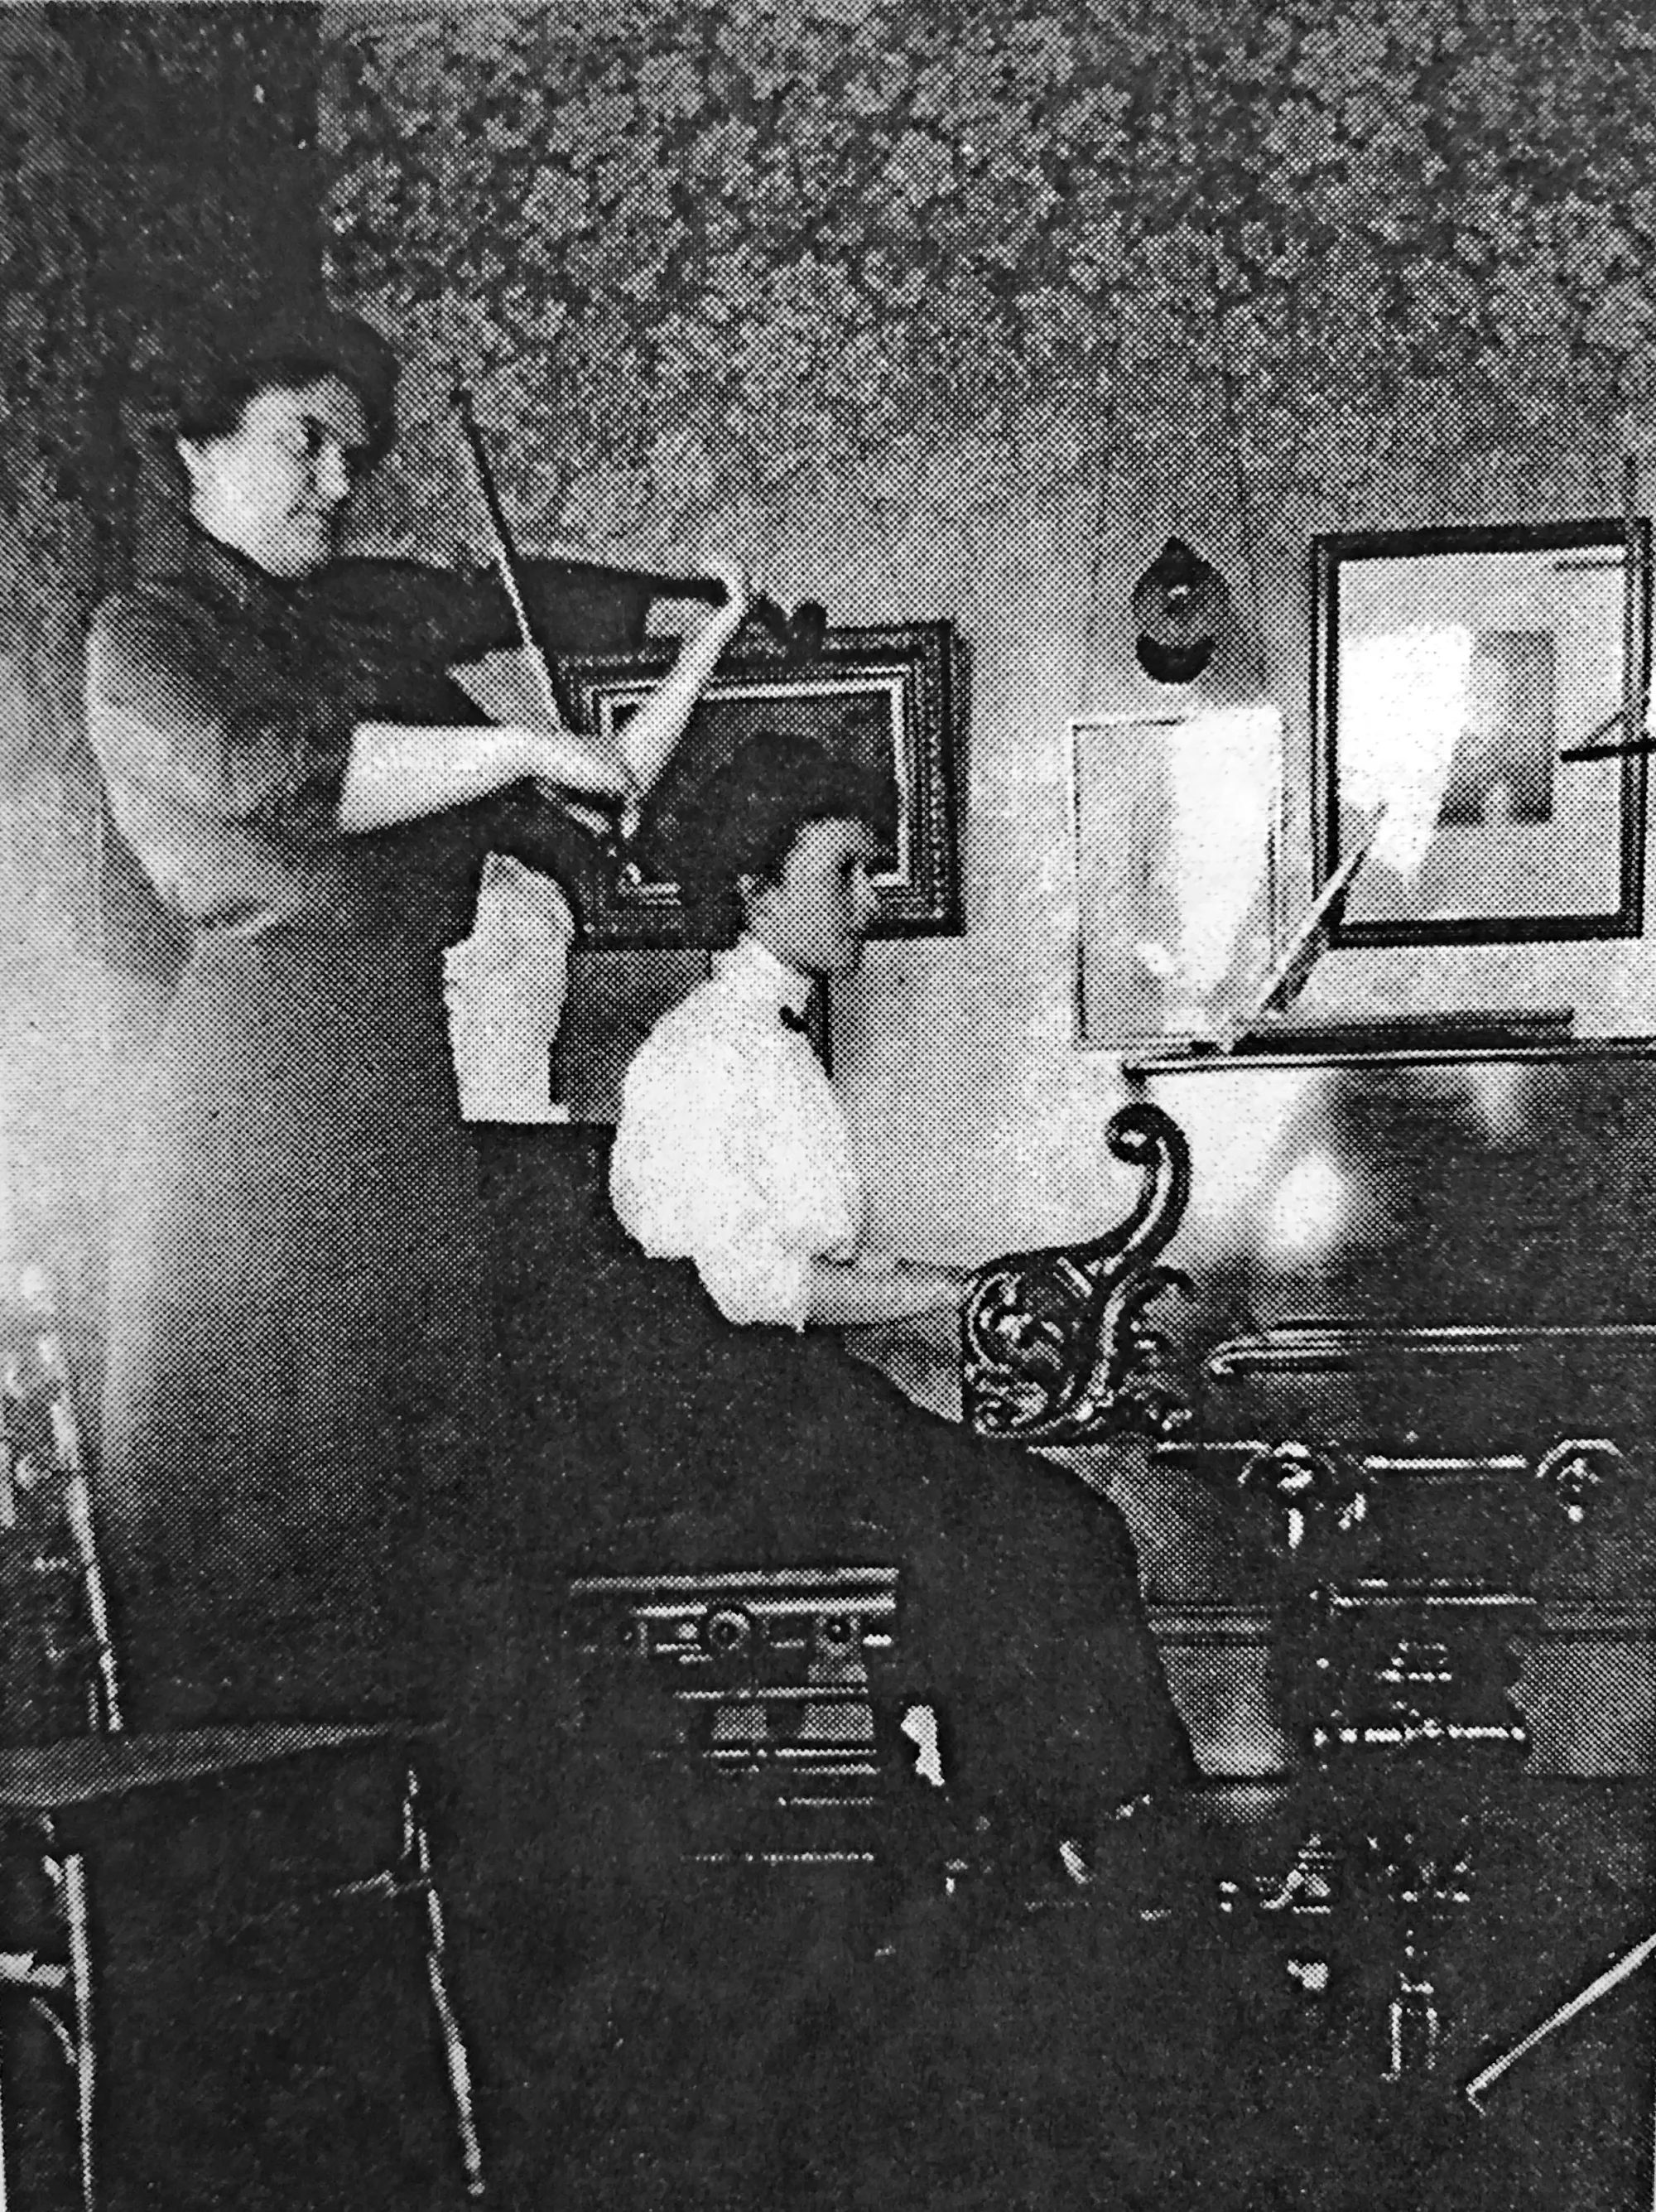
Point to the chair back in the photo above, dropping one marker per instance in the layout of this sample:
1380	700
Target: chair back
58	1669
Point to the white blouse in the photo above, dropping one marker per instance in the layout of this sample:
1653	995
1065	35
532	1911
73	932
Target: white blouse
731	1149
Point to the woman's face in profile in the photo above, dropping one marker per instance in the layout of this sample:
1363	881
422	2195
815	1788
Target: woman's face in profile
272	488
817	913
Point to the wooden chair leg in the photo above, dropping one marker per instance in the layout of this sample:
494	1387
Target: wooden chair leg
72	1876
46	1983
417	1849
5	2186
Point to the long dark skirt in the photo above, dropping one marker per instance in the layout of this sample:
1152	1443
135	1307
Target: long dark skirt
707	2041
297	1528
296	1338
663	1439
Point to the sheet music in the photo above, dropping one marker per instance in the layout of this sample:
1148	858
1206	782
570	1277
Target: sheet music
1289	974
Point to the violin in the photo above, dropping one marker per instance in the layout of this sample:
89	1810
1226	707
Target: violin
800	631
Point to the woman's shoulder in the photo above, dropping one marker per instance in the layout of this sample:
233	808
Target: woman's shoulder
149	619
717	1025
696	1050
168	584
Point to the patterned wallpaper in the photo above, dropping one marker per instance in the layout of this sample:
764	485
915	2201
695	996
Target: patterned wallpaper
953	310
961	310
699	257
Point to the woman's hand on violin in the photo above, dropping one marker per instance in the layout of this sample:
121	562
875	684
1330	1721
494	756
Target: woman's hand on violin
726	569
652	734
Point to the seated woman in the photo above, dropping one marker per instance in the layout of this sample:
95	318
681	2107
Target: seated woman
764	1441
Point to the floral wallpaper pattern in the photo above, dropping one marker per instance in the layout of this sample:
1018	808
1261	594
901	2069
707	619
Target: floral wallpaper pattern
941	275
46	206
963	308
693	255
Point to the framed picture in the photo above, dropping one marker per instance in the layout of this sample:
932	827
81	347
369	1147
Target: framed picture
892	699
1471	690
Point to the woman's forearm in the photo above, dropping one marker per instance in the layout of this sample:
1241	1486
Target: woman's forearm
652	734
403	771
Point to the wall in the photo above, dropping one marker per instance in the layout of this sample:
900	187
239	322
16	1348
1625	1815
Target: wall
149	156
935	312
961	311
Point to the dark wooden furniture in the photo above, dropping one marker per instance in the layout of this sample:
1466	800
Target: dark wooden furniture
66	1755
1433	1421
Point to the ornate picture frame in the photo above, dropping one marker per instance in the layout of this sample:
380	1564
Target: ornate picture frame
896	698
1528	647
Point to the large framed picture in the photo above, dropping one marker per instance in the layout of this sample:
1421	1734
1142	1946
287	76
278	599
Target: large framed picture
1483	681
894	699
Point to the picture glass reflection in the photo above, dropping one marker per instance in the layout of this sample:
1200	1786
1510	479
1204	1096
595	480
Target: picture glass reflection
1460	668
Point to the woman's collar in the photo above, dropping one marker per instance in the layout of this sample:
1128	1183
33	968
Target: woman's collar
758	974
176	545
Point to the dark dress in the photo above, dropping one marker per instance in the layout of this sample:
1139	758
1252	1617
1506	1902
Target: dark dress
718	2048
660	1437
295	1406
297	1490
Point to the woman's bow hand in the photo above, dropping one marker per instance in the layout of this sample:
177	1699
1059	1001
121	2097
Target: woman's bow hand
726	569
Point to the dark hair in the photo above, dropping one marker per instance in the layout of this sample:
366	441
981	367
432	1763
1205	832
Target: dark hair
743	819
194	380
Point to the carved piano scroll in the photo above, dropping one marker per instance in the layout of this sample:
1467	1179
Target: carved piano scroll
1056	1345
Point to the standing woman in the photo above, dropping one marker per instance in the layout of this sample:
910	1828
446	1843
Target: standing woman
303	1518
296	1417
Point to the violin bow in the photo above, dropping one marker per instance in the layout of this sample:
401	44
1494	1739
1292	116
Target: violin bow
615	831
801	633
559	708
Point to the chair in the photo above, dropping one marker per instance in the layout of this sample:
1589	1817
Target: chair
64	1749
